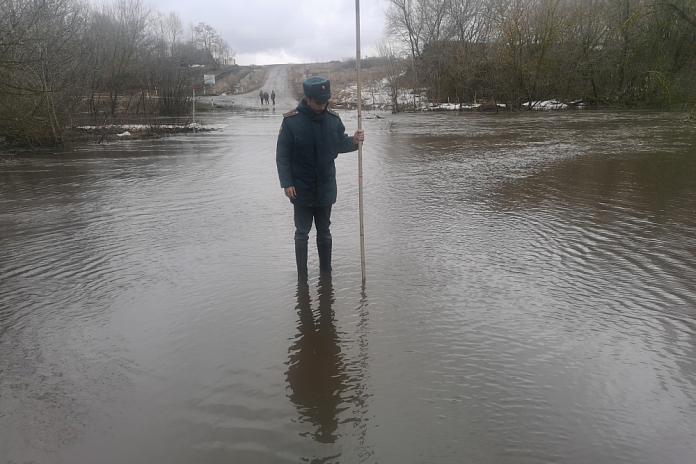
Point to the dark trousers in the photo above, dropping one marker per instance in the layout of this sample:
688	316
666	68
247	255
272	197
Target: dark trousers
304	216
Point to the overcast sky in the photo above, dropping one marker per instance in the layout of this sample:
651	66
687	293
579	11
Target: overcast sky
285	31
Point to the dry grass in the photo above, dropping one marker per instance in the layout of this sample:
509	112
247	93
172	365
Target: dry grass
338	72
249	78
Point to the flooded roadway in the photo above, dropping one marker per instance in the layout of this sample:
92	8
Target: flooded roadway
277	81
530	297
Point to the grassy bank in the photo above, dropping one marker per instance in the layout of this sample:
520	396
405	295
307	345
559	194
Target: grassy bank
235	79
342	74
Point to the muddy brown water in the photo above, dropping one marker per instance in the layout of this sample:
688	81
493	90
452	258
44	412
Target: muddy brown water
530	297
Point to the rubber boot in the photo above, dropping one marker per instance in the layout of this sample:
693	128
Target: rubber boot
324	257
301	258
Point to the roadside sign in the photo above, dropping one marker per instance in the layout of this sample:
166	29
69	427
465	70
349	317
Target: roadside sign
209	78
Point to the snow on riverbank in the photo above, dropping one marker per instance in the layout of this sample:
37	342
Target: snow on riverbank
551	105
145	127
111	132
376	96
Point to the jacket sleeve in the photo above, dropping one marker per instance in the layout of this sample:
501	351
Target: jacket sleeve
284	151
346	141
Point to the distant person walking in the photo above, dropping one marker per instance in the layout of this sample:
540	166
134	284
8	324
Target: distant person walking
261	96
310	138
265	97
273	96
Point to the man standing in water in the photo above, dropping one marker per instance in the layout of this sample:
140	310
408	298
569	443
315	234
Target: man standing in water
310	138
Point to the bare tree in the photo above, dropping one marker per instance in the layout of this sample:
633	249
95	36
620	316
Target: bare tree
56	55
405	24
206	38
222	52
467	21
395	69
40	78
120	36
170	31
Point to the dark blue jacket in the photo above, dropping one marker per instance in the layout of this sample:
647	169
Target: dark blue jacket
308	144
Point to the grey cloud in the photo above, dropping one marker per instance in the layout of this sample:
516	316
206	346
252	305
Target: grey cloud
264	31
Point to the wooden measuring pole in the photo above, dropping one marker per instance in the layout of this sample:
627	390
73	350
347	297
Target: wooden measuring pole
360	171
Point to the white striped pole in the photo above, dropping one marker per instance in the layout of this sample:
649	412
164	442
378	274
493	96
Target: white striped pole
360	172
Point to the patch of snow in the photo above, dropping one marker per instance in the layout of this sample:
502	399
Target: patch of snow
446	106
124	134
377	96
142	127
545	105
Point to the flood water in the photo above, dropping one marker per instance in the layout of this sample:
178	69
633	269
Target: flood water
530	297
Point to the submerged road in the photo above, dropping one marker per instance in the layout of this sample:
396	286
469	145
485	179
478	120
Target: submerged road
277	81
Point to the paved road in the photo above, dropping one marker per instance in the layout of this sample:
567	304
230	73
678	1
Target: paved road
277	81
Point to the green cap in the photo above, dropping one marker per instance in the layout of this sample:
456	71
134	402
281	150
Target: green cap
317	88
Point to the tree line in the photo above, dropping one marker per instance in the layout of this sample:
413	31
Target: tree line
62	58
604	52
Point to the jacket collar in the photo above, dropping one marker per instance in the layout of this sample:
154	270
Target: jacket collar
304	108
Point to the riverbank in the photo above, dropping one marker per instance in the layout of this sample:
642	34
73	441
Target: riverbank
119	132
383	89
112	133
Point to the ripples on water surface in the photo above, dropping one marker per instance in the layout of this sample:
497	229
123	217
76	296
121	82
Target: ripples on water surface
529	298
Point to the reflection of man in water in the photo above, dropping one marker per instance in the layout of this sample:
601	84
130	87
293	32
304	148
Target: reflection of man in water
316	371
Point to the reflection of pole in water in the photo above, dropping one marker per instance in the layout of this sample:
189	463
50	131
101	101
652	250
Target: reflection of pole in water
316	369
327	387
361	394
